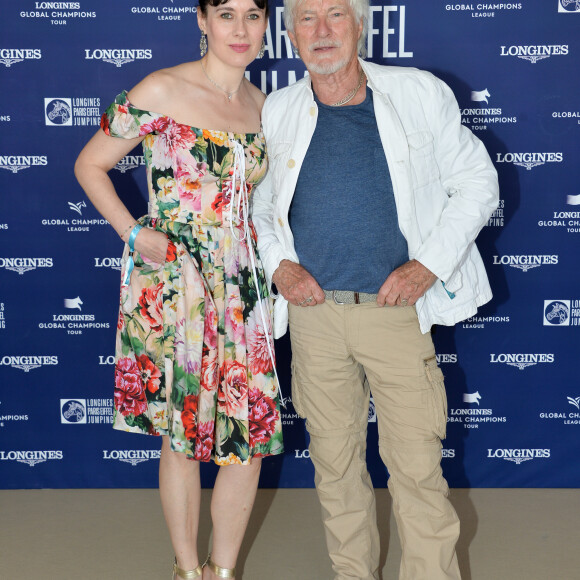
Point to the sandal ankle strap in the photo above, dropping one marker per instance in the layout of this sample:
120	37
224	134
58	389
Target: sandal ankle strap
186	574
218	570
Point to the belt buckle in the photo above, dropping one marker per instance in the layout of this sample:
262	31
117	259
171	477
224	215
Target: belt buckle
355	300
334	298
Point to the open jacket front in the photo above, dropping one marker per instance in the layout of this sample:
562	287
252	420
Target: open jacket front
444	183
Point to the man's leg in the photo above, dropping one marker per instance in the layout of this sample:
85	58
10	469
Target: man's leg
410	401
328	391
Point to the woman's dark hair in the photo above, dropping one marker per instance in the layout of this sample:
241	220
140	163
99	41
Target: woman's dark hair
203	4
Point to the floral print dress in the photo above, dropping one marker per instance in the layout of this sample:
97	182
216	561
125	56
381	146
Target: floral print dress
194	351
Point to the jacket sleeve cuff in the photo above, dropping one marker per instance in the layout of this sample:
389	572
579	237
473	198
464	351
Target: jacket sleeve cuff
433	258
271	260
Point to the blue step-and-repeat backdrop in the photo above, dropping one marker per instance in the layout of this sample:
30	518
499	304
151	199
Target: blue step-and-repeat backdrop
512	372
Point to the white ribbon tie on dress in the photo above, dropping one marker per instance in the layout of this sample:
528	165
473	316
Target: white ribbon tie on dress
240	191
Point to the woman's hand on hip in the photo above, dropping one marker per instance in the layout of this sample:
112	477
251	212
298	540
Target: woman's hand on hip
152	245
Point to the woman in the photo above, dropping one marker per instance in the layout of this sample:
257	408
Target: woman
194	359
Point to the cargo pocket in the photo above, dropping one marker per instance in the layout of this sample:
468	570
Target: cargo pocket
438	396
296	391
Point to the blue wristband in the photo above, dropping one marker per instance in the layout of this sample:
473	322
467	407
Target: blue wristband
133	235
450	294
130	262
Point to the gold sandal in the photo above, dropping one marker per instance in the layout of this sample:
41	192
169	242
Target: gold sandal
218	570
186	574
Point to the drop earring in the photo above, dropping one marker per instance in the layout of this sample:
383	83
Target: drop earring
262	50
203	44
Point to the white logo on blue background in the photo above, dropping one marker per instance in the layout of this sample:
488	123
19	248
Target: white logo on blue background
78	207
73	411
73	303
556	312
130	162
480	96
372	411
472	398
569	6
58	112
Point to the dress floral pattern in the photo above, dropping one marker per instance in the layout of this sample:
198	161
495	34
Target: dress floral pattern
194	356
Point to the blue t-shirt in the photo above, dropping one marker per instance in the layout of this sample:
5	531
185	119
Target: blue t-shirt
343	214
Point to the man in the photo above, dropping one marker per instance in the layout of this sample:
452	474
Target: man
385	192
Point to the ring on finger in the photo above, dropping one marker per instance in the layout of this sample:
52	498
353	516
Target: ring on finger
404	301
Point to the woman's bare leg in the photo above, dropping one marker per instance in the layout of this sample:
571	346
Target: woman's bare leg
231	505
180	490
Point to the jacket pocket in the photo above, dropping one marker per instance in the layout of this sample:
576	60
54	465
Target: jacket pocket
438	396
278	152
422	157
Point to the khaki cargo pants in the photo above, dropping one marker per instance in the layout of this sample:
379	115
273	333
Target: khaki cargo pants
333	347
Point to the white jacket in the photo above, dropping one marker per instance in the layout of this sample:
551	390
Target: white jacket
444	182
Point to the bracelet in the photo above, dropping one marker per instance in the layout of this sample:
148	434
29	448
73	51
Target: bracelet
133	235
130	263
121	235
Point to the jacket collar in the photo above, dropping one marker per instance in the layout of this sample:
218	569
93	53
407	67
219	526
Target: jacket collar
368	69
369	72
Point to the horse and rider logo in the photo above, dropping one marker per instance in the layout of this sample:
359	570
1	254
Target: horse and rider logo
73	411
58	112
73	303
480	96
569	6
472	397
556	312
77	206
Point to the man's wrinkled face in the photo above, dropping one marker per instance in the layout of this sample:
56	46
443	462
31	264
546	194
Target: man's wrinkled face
326	34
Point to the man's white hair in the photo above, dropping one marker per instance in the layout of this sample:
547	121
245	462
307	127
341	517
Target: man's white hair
361	13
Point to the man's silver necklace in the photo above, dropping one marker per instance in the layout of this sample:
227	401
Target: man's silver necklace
351	95
228	94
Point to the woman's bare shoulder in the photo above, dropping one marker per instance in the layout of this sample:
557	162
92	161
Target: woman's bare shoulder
158	89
